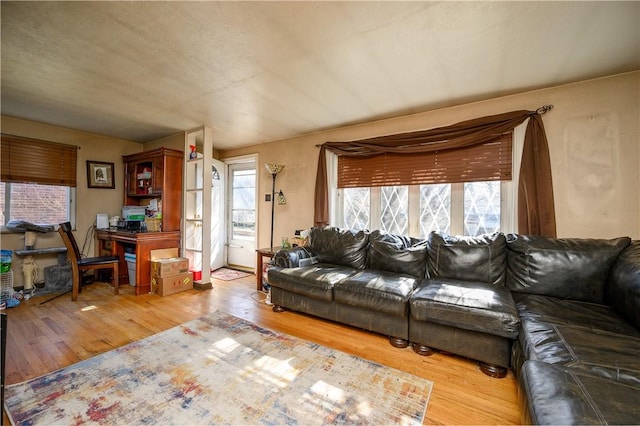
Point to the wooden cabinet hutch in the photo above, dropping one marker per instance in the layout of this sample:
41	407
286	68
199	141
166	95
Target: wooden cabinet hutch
148	175
156	174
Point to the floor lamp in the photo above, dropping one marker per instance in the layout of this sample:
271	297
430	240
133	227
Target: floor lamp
274	169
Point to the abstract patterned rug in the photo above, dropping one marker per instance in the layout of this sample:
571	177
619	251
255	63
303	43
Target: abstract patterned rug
226	274
220	369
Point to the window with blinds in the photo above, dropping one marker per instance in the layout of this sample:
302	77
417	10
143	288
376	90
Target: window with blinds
37	161
491	161
37	181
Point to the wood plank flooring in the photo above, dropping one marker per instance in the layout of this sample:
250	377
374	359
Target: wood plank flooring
44	338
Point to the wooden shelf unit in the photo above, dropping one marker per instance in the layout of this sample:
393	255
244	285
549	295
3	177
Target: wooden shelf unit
197	216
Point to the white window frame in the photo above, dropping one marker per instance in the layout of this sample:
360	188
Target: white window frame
508	196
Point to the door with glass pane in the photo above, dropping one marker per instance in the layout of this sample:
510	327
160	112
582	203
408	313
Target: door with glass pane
241	228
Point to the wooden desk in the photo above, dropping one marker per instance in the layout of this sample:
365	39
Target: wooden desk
262	253
113	243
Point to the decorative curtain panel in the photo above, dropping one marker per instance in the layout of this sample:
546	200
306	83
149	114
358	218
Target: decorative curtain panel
536	211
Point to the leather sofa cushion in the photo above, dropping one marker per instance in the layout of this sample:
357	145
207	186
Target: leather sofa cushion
623	289
339	246
469	305
393	253
565	268
579	335
559	396
380	291
481	258
315	281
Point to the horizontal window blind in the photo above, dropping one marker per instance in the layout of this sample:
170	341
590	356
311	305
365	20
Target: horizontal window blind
37	161
484	162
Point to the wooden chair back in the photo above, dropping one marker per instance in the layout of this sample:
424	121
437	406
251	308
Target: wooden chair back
69	241
82	264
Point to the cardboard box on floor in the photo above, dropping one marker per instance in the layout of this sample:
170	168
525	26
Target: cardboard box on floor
168	265
169	273
173	284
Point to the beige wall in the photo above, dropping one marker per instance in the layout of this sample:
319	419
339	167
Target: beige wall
89	201
173	142
594	139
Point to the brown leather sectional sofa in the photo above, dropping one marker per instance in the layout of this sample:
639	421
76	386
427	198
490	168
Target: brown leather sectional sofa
563	313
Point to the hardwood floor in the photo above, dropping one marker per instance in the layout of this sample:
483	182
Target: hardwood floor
44	338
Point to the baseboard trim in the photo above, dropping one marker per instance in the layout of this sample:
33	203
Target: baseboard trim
202	286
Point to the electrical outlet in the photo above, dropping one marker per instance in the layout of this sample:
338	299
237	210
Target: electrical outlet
267	197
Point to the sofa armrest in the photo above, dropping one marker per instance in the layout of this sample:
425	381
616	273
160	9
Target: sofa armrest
294	257
623	290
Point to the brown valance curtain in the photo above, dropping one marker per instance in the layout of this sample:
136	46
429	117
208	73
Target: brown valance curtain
37	161
536	212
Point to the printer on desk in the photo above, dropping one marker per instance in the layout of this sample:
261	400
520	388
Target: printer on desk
132	219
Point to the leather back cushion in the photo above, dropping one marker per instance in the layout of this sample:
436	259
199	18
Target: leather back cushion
623	289
571	268
481	258
340	246
394	253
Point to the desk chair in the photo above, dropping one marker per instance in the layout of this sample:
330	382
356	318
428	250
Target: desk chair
79	264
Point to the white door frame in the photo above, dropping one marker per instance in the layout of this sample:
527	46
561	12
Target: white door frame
219	256
229	163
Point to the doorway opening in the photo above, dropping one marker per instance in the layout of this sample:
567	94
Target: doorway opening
241	214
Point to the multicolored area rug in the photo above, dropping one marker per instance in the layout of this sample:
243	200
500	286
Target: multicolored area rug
226	274
220	369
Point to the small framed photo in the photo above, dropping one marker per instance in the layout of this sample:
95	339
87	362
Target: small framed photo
100	174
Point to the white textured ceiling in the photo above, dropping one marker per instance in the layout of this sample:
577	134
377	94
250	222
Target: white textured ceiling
263	71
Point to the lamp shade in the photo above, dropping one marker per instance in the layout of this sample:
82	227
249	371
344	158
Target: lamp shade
274	169
281	198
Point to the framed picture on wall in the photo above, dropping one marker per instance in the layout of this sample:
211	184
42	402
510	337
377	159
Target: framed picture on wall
100	174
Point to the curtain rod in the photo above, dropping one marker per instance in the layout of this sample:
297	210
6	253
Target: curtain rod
544	109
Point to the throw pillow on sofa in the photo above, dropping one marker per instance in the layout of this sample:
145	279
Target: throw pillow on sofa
482	258
395	253
570	268
339	246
